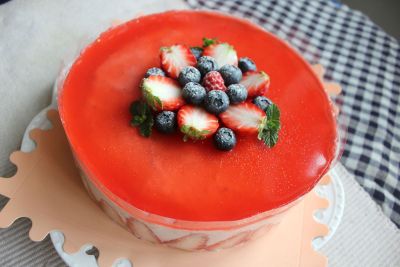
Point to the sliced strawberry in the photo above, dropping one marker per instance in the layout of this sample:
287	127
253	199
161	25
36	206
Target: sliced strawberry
248	118
231	241
244	117
196	123
189	242
162	93
256	82
175	58
142	231
223	53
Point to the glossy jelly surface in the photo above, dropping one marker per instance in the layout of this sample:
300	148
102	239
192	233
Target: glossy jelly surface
194	181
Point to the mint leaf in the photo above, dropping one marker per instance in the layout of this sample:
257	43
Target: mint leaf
146	127
139	108
135	107
142	117
273	113
269	137
208	41
137	120
268	132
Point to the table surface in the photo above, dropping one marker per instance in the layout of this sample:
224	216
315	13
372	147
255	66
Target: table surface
357	54
383	12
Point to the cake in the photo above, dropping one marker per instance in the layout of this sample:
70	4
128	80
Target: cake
190	195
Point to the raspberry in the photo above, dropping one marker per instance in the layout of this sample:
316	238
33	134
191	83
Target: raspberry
214	81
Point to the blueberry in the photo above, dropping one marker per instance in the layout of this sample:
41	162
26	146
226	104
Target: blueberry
216	101
231	74
165	122
189	74
225	139
246	64
194	93
154	72
206	64
196	51
237	93
262	102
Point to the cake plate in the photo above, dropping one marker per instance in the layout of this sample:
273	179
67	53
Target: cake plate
331	216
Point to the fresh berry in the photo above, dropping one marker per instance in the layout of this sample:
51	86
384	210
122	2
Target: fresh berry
162	93
175	58
262	102
154	72
244	118
189	74
246	64
231	74
237	93
225	139
223	53
194	93
216	101
247	118
189	242
214	81
206	64
195	123
165	122
255	82
196	51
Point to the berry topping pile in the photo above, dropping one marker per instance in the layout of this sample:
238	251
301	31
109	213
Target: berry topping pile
206	92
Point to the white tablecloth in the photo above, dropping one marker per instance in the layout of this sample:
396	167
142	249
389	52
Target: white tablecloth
37	37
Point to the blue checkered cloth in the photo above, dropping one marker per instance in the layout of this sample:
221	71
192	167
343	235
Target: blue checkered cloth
364	60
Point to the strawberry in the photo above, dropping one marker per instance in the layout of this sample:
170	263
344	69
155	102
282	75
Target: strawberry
196	123
247	118
162	93
244	117
231	241
189	242
223	53
142	231
256	83
214	81
175	58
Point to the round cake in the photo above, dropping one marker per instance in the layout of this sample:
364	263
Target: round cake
193	181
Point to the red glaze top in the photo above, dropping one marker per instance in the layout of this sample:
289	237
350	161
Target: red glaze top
194	181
